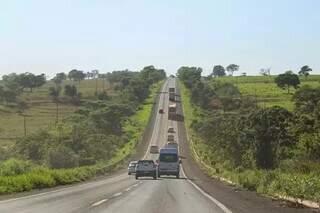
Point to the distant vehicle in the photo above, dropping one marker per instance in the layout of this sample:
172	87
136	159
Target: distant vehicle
170	138
154	149
169	162
172	145
170	129
146	168
132	167
172	111
172	96
161	111
171	89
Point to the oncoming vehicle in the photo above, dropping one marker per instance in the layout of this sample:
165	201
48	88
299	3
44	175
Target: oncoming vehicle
132	167
146	168
170	129
154	149
169	162
161	111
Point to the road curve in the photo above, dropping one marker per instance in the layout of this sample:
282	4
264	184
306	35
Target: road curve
122	193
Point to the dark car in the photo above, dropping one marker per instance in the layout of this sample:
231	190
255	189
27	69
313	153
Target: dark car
161	111
146	168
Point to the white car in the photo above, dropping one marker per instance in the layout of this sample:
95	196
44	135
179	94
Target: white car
132	167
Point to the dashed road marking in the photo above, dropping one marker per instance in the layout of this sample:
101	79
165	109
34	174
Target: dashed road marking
117	194
128	189
99	202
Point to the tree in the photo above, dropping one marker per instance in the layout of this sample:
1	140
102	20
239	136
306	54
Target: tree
59	78
76	75
232	68
271	137
189	75
29	80
72	92
218	71
287	80
305	71
54	93
265	71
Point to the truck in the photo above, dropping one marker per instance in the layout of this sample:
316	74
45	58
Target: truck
169	162
172	96
172	111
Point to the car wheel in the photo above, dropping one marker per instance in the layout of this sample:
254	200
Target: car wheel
137	177
129	173
177	175
154	177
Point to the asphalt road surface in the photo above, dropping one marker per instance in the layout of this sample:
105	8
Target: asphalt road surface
122	193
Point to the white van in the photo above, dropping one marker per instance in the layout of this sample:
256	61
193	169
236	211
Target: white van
169	162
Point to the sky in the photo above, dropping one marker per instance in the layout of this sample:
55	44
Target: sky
42	36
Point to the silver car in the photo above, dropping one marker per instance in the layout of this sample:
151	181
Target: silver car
132	167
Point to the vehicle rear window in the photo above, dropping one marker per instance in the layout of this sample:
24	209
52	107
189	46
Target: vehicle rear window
168	157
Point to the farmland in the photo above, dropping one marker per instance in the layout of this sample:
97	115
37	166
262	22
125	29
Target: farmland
266	91
41	111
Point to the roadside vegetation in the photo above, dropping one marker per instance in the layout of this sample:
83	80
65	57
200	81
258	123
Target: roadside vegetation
96	137
273	149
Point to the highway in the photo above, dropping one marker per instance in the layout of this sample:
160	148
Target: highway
122	193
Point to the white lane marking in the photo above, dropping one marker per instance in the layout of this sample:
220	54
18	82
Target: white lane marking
99	202
135	185
128	189
220	205
117	194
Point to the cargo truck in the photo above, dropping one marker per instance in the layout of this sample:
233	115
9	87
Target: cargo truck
172	111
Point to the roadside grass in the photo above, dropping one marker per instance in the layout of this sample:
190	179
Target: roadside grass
41	110
275	183
42	177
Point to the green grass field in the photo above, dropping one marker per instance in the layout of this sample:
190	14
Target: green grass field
266	91
41	111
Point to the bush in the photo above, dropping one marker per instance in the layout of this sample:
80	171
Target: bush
14	166
250	179
62	157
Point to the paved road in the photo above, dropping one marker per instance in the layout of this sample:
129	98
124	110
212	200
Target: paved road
122	193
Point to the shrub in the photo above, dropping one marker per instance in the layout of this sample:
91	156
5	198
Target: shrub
14	166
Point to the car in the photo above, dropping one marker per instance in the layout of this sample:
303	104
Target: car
170	138
146	168
154	149
169	162
170	129
161	111
132	167
172	145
